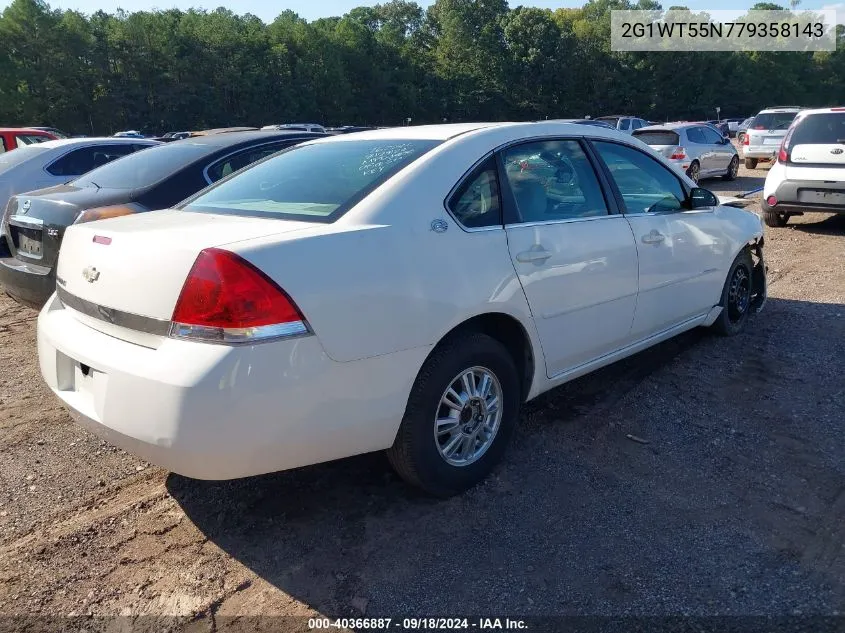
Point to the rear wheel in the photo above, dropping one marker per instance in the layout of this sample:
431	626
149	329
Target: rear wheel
461	413
775	219
751	163
736	296
733	169
694	171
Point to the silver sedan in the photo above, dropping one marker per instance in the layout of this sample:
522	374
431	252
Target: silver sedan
695	148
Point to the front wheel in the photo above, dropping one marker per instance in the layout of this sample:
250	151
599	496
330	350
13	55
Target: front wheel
736	296
733	169
461	413
751	163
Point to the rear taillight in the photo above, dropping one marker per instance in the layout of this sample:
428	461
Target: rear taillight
783	155
783	152
225	299
679	153
746	140
771	201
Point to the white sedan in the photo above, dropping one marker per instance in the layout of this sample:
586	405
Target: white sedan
51	163
403	289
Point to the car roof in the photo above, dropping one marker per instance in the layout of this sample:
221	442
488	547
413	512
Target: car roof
439	132
24	129
94	140
823	110
233	138
779	109
679	125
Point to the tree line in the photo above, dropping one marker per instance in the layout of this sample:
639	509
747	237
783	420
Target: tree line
457	60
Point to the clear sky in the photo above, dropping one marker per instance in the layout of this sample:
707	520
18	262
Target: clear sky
312	9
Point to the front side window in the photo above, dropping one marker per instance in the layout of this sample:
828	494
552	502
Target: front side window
476	204
712	137
696	135
646	186
625	124
84	159
314	183
231	164
552	180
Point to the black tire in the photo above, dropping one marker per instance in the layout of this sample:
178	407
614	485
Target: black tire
415	454
751	163
738	284
733	169
775	219
694	171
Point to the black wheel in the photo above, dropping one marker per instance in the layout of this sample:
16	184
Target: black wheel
736	296
694	171
751	163
775	219
733	169
461	414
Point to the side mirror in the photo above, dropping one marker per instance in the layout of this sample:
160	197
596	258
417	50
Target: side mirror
702	198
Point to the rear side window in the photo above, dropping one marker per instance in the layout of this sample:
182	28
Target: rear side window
772	120
476	202
820	129
84	159
146	167
231	164
314	183
658	137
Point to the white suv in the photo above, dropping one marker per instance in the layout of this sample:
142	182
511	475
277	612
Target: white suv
809	174
765	134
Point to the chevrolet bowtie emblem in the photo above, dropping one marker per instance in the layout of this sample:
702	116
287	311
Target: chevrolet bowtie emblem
91	274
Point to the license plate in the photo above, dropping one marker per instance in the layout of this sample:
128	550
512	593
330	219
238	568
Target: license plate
29	245
822	196
772	141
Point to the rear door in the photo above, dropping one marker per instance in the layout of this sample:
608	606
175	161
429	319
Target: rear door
575	258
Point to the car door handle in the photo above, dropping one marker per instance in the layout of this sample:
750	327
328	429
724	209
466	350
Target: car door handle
655	237
538	255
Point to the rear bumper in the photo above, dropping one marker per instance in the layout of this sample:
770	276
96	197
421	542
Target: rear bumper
26	283
788	194
222	412
760	152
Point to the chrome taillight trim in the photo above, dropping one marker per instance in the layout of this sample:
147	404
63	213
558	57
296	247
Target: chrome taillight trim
239	336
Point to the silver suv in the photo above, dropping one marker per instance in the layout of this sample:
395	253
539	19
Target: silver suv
695	148
763	137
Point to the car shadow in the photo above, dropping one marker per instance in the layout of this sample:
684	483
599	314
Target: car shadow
813	223
738	185
646	487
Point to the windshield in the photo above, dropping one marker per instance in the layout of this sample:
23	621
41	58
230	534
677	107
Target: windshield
772	120
820	129
144	167
315	183
658	137
11	159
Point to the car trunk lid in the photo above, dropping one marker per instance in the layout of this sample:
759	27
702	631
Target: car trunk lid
137	264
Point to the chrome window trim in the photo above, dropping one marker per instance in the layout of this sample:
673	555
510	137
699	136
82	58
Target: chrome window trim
609	216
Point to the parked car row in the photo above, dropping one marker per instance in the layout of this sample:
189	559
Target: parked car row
286	304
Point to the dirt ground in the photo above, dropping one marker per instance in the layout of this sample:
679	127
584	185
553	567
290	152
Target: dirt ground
735	505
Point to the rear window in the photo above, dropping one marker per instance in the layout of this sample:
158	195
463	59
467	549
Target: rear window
146	167
820	129
772	120
315	183
8	160
658	137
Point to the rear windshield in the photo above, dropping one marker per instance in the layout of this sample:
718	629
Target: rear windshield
658	137
820	129
14	158
772	121
315	183
145	167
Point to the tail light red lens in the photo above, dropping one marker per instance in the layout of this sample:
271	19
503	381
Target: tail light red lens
225	299
783	155
746	140
679	153
771	201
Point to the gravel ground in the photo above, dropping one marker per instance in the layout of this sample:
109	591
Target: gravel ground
734	505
